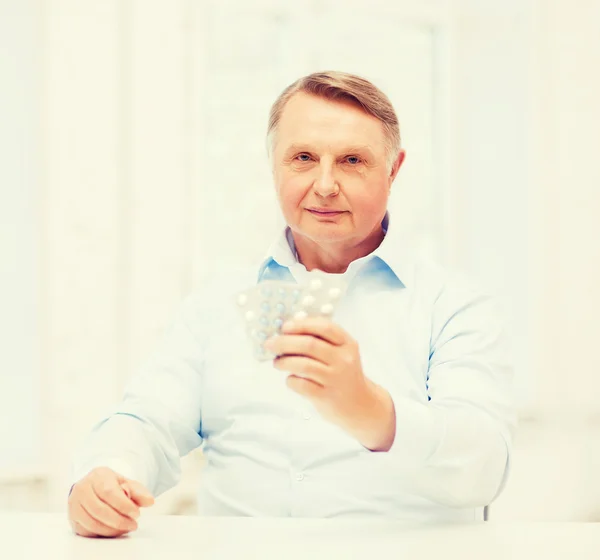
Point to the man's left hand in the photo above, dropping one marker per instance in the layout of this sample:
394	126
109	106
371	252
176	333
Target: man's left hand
324	365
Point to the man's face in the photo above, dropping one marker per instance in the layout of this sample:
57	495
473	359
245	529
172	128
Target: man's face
331	155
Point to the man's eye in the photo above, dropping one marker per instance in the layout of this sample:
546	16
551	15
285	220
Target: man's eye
303	157
353	160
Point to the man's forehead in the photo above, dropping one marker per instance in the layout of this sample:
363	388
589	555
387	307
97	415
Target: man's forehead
314	122
303	108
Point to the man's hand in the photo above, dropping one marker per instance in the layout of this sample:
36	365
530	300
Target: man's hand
324	364
106	504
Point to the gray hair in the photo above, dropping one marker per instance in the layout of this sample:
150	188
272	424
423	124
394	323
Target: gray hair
343	87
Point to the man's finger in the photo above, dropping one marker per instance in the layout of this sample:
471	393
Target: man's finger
111	493
317	326
304	387
92	525
303	367
301	345
138	493
79	529
106	514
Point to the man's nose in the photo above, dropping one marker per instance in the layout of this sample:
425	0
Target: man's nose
326	184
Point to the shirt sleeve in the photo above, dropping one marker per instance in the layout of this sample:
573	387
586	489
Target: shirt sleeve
159	418
456	445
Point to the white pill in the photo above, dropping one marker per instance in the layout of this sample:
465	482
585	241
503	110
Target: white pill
242	300
250	315
300	315
308	301
266	291
265	306
334	293
262	335
316	284
327	309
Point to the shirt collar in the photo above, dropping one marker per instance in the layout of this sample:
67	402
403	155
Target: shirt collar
391	252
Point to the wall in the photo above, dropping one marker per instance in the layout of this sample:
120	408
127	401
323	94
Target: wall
19	242
559	458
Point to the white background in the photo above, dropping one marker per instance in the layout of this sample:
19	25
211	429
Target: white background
19	248
132	150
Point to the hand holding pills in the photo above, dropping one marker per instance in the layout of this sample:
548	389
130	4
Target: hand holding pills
324	365
293	325
266	306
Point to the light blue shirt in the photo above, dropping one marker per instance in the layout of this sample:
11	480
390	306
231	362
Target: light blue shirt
425	334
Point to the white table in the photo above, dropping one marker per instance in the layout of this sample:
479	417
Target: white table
48	536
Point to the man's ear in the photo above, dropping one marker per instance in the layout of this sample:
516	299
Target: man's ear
397	164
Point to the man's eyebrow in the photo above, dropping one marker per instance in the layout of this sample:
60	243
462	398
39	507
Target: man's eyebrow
358	148
298	148
347	150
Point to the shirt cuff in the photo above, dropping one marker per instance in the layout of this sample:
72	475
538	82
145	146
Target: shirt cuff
419	430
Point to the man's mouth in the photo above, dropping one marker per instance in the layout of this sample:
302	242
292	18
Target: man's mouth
323	212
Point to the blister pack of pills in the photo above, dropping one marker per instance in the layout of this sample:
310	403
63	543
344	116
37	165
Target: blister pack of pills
266	306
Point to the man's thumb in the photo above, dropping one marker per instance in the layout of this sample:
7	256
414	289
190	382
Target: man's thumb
138	493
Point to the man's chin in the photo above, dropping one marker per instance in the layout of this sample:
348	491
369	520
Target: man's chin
320	234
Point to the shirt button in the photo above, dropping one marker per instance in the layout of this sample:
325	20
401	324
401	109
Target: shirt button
299	477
